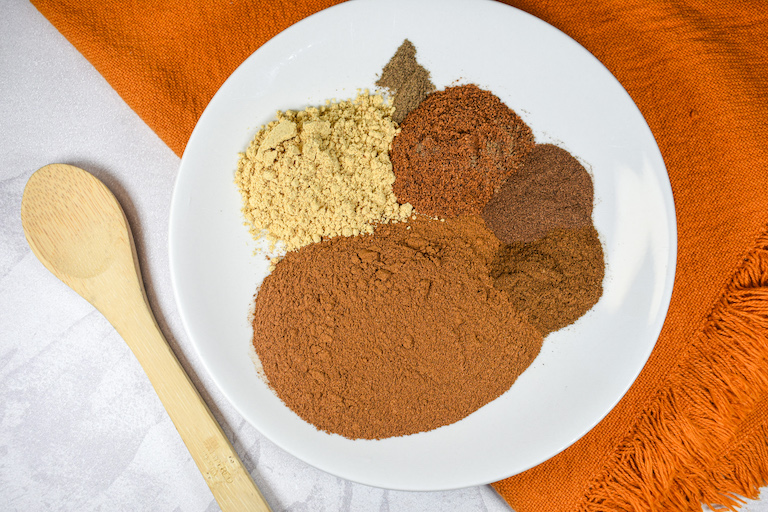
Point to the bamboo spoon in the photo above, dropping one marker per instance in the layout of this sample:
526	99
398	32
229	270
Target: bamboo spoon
78	230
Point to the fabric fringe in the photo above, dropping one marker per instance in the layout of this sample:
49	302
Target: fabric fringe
704	439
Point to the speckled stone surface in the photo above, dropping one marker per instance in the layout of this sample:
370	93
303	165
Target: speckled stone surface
80	425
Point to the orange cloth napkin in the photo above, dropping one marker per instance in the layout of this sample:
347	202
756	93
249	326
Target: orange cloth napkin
694	427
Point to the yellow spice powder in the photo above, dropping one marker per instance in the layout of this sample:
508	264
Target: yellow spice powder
322	172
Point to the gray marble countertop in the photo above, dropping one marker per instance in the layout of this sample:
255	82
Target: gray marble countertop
80	426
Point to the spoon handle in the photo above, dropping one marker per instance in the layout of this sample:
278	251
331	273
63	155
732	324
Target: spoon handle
229	481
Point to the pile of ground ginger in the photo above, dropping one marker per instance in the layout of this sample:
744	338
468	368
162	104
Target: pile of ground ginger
320	173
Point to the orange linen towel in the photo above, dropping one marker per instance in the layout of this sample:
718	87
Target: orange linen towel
694	427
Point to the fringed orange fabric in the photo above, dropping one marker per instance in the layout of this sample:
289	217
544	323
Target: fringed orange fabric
704	438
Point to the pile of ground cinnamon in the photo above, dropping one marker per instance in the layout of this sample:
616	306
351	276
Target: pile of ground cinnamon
391	334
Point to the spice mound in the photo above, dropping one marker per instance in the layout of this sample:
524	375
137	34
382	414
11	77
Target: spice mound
552	190
555	279
407	79
322	172
456	149
392	334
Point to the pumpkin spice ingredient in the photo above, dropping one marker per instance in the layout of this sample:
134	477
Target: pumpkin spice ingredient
392	334
322	172
551	190
555	279
456	149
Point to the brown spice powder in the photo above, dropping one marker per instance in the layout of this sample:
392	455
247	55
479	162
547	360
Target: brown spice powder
556	279
551	190
407	79
392	334
456	149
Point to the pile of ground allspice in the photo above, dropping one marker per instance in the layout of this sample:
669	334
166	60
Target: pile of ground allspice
432	245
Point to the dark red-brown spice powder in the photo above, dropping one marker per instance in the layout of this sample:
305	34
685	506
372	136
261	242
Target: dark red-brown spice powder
551	190
456	149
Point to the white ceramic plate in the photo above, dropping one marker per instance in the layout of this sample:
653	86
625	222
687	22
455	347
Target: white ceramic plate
567	97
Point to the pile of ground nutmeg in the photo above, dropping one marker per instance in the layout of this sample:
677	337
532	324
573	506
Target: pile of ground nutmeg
553	280
466	244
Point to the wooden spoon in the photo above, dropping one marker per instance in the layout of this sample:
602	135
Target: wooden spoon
78	230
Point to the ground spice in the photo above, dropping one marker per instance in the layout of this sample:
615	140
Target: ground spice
456	149
554	280
323	172
392	334
408	80
551	190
